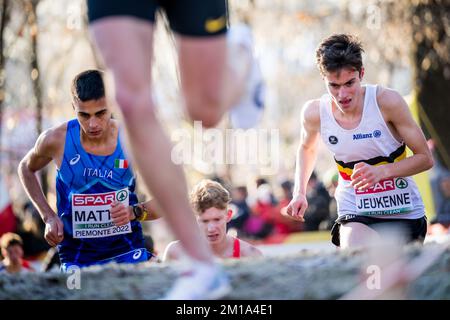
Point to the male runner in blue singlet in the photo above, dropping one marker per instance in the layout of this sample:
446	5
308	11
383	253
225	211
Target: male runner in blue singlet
95	184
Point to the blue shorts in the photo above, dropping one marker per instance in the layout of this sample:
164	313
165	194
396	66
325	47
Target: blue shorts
133	256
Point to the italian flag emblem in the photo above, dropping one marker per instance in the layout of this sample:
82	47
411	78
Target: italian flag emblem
121	163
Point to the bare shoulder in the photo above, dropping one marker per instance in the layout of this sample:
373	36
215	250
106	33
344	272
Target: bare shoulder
311	112
390	101
51	141
249	250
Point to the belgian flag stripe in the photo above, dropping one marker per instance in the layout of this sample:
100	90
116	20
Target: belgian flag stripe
346	168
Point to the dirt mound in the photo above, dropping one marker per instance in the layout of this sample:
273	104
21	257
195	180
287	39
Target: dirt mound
304	275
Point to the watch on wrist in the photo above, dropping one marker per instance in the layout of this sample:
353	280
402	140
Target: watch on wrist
140	213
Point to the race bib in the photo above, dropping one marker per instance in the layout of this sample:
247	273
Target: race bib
391	196
91	217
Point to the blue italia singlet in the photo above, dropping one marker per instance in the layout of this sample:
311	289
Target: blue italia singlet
86	185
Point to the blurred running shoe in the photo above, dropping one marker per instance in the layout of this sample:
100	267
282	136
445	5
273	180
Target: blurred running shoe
247	112
201	282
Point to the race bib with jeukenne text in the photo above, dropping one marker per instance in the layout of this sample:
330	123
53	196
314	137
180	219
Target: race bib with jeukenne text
387	197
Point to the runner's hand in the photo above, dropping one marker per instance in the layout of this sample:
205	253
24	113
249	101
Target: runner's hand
120	214
296	208
54	230
365	176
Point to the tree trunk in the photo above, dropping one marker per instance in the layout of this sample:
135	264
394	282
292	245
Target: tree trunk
431	54
3	22
31	6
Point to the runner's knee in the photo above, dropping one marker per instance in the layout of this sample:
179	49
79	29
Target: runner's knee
135	103
206	108
208	118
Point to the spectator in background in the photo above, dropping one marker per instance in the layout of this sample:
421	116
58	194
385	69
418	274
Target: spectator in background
260	182
8	221
443	215
319	202
31	229
12	252
241	209
261	222
441	223
436	173
331	181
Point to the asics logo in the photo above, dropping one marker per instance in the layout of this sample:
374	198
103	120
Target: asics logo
137	254
75	159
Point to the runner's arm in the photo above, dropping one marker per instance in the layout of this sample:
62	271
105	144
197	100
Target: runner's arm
397	112
36	159
305	160
307	151
151	208
122	215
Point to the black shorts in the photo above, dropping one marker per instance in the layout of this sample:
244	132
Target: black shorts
187	17
416	229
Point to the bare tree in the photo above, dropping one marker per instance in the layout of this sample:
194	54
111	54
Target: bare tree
30	9
431	56
3	22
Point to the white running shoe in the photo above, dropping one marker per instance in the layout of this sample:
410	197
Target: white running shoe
201	282
247	112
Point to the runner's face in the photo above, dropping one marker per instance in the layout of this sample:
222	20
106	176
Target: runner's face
15	253
213	223
93	116
344	86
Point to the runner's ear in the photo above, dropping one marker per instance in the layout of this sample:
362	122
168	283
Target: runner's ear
361	73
